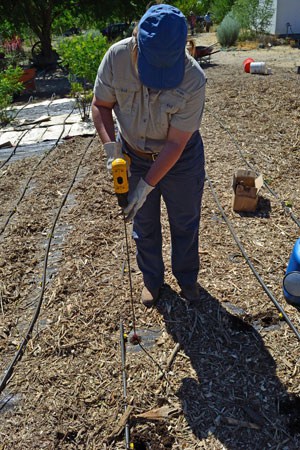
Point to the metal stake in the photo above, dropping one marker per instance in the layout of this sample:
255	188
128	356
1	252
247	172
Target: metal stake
123	355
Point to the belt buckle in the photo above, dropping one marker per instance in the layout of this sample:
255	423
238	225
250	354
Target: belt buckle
154	156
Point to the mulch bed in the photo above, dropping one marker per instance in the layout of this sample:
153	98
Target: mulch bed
220	374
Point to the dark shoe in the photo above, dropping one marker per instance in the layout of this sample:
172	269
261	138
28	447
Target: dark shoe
191	292
149	298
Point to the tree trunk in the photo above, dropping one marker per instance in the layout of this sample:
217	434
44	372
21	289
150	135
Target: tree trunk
46	46
43	29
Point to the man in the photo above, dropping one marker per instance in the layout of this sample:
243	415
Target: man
157	93
192	21
208	21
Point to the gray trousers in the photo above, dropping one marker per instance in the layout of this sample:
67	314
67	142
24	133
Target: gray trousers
181	189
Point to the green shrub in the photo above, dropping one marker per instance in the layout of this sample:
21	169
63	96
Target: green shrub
83	98
247	35
81	55
228	31
67	19
9	86
253	14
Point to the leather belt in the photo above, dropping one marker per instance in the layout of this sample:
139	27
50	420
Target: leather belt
141	154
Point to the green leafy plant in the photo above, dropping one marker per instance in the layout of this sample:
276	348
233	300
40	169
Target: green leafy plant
67	19
220	8
83	99
254	14
247	35
228	30
81	55
9	86
7	30
188	5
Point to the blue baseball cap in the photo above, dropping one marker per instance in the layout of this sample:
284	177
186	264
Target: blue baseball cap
162	33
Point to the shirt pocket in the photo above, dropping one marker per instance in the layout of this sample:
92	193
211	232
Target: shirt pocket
171	102
126	96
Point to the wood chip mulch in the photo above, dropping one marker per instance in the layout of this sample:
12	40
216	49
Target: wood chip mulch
221	374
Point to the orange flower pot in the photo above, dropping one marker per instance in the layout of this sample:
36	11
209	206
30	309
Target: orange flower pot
28	79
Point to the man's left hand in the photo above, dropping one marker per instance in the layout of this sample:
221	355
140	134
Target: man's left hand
137	199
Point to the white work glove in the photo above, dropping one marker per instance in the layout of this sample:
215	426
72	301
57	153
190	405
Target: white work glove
113	150
137	199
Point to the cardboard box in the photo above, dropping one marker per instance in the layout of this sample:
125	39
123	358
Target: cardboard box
246	185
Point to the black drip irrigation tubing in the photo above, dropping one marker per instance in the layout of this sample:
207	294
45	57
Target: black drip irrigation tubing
18	112
34	126
136	339
23	344
18	143
47	153
51	101
24	106
248	261
24	134
124	379
286	209
15	148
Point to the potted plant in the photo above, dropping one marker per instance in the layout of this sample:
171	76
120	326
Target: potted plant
9	86
28	78
14	56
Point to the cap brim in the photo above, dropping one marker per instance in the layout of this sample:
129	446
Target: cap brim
161	77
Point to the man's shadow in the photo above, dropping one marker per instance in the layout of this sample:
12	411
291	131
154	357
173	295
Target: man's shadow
236	395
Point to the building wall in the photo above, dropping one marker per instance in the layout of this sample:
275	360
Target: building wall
285	11
272	27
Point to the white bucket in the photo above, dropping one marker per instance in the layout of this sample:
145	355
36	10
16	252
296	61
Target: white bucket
258	67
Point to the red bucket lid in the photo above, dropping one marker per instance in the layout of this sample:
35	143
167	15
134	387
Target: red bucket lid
247	63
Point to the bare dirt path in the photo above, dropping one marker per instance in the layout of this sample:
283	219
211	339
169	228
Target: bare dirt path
275	56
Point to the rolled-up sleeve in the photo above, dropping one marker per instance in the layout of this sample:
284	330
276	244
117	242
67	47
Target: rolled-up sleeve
103	87
189	115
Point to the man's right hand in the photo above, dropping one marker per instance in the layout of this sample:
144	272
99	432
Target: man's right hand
113	150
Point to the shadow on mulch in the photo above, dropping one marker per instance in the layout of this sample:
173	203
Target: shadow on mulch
236	395
147	439
263	210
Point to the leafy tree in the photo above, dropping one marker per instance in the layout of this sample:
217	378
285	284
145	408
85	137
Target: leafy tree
39	15
69	19
205	5
186	6
7	30
254	14
117	10
220	8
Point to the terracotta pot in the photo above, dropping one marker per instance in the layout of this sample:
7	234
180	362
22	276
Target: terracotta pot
28	79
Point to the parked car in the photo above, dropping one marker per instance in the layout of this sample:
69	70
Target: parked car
115	30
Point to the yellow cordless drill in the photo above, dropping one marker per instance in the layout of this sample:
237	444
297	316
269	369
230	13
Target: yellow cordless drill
119	172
